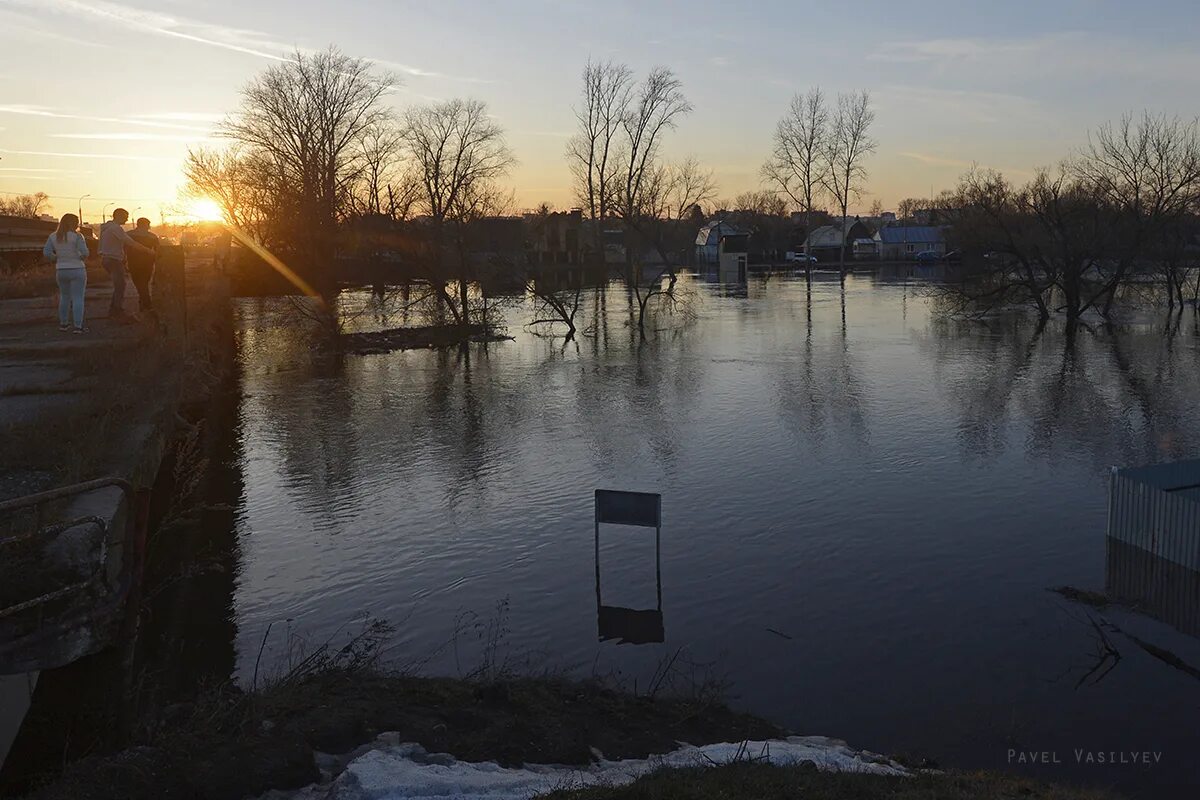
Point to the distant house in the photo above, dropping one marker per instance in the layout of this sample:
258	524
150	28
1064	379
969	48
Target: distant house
865	249
555	237
903	242
492	240
708	240
826	241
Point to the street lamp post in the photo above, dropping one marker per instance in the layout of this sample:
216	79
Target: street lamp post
80	209
104	213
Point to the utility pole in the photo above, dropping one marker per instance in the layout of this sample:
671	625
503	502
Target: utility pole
80	209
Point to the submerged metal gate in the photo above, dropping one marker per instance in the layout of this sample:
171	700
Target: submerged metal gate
1157	509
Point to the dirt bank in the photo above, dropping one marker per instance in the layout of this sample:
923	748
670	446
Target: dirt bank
230	744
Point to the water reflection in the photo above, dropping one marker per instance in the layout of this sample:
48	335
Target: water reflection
1153	585
892	490
1120	395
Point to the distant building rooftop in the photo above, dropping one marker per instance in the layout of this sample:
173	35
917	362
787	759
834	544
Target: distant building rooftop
900	234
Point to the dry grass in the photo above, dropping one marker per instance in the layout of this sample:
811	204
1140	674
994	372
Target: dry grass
26	279
763	781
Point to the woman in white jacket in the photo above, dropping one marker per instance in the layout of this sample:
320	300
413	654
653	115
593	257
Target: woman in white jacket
68	250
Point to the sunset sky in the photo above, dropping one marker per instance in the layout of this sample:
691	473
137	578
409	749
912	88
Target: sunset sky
103	98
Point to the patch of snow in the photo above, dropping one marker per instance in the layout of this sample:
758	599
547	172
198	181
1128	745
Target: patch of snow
391	770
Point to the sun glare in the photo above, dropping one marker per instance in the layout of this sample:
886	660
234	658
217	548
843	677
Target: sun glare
205	210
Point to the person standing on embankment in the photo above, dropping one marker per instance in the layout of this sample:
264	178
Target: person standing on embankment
68	251
113	243
141	265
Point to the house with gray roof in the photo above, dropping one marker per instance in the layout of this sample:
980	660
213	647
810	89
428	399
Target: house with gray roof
903	242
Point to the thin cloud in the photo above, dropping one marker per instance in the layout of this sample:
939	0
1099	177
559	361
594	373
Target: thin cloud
38	178
18	24
45	169
942	161
961	49
132	136
114	156
45	111
939	161
228	38
977	106
183	116
238	40
418	72
1091	55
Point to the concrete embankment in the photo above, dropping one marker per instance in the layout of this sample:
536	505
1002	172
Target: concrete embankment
74	409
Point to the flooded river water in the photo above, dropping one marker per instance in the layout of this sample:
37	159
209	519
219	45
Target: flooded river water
864	507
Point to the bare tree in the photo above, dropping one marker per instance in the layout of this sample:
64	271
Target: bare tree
765	203
594	152
385	186
459	154
1070	240
991	216
690	185
655	108
911	205
25	205
299	136
799	158
253	197
1147	174
648	193
846	148
617	162
558	303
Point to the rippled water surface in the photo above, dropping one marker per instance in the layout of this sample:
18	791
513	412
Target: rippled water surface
863	508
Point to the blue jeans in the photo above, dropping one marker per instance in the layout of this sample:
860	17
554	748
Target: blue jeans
116	268
72	281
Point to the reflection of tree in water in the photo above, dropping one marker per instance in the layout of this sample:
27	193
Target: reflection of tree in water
307	406
1122	395
823	396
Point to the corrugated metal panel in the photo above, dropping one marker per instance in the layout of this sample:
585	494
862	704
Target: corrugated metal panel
1155	586
1173	476
1153	508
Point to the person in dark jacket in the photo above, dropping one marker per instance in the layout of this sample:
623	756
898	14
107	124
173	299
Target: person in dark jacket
141	263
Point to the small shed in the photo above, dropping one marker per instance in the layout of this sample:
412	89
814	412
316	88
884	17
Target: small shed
708	240
1157	509
826	241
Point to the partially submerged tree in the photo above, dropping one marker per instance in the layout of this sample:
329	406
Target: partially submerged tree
594	153
846	149
1146	176
616	158
799	156
1073	239
459	155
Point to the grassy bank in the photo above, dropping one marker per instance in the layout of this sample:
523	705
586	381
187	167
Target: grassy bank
763	781
230	744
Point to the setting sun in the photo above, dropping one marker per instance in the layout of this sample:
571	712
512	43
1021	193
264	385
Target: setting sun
205	209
